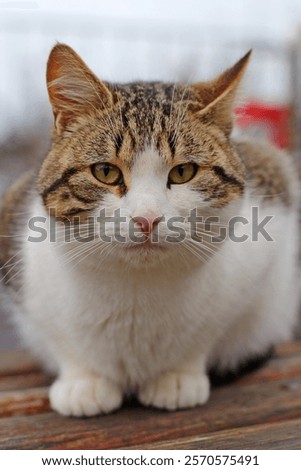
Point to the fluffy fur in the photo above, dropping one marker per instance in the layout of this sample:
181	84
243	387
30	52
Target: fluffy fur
146	318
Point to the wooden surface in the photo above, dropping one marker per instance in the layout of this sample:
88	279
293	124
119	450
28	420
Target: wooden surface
259	411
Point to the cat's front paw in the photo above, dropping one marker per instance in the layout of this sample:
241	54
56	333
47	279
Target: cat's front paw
84	396
174	390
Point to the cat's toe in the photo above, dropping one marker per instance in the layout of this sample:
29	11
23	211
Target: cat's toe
84	396
173	391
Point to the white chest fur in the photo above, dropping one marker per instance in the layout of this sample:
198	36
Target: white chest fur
133	324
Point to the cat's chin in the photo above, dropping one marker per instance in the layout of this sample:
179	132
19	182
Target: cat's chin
146	246
144	253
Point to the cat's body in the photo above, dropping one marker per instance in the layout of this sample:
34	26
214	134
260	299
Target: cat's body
152	318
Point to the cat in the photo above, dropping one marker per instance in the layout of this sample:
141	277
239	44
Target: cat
177	276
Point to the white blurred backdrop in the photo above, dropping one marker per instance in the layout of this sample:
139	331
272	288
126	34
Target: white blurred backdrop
132	39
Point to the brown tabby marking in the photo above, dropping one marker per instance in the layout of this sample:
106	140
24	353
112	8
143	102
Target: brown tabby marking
267	171
13	215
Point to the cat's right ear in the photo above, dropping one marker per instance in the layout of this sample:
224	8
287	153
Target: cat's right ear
73	88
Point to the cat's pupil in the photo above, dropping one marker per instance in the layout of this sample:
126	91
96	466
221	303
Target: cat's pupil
106	170
181	170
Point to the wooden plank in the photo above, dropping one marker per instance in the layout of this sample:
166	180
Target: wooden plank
268	436
19	371
288	367
24	381
14	362
268	397
24	402
133	425
292	348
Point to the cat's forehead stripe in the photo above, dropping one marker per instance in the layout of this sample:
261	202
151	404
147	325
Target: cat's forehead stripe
151	108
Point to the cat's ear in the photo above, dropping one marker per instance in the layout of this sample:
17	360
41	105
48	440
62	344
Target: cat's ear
217	96
72	87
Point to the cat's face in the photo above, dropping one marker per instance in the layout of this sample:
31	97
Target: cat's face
140	157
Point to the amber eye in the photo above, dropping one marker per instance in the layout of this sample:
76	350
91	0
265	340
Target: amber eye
182	173
107	173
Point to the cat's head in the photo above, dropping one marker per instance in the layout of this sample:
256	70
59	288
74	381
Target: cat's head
145	152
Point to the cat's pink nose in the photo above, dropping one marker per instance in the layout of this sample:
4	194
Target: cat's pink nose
147	224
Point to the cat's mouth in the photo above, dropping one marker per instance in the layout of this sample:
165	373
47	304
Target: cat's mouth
146	245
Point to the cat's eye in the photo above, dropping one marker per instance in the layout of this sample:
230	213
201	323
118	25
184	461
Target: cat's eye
107	173
182	173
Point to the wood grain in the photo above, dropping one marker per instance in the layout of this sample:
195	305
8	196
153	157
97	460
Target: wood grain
260	410
269	436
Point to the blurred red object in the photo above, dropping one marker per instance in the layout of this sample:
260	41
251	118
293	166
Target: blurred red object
267	120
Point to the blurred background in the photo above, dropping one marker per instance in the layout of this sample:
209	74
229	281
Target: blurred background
125	40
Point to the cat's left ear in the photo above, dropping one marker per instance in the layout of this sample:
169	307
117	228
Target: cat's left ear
217	96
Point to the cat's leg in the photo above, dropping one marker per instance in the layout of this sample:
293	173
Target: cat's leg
184	387
79	389
81	393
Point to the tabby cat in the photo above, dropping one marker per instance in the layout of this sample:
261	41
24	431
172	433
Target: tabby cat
171	247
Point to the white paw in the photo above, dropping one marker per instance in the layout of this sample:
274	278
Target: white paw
176	390
84	396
